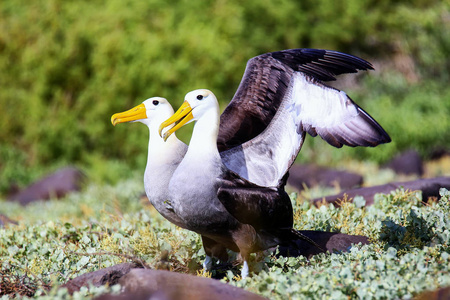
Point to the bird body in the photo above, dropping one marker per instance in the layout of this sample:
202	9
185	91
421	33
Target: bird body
215	201
194	197
161	164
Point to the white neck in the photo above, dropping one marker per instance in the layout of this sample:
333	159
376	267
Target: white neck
160	152
204	137
162	161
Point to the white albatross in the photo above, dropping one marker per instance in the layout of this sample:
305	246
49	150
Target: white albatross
163	157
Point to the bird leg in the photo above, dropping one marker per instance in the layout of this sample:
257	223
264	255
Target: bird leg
246	239
245	270
212	249
207	264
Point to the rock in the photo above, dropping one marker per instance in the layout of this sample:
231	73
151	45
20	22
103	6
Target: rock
133	296
438	153
159	284
329	242
311	175
439	294
4	220
110	276
429	187
57	185
407	163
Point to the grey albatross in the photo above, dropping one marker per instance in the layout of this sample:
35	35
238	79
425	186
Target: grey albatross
241	204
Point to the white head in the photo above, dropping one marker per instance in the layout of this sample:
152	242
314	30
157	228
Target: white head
201	101
196	104
152	111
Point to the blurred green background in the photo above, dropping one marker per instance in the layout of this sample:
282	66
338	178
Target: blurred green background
67	66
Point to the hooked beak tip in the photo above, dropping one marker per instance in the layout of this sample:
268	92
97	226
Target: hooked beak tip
180	117
165	136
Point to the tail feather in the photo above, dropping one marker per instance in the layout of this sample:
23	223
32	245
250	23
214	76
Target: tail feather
305	238
289	236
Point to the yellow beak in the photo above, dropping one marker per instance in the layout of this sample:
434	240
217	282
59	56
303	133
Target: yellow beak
180	118
136	113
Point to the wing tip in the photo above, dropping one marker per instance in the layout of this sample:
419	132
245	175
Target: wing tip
321	64
357	62
366	132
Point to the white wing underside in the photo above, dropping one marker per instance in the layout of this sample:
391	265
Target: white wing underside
308	107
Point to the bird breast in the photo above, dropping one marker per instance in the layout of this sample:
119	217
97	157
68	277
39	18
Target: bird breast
193	194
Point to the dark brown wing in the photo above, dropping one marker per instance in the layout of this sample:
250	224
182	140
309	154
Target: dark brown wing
265	82
268	209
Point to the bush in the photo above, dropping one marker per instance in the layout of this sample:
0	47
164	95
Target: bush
68	65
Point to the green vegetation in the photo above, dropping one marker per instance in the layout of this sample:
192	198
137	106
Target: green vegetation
61	239
67	66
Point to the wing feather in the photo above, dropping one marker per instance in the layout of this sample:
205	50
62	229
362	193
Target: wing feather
264	208
281	97
265	82
331	114
308	107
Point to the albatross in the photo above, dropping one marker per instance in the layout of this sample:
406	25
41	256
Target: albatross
241	203
163	157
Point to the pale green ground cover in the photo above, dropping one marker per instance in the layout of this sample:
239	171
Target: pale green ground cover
61	239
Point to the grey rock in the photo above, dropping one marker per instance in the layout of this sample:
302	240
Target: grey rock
110	276
57	184
312	175
159	284
407	163
430	188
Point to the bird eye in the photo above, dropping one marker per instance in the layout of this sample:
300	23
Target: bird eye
200	97
155	102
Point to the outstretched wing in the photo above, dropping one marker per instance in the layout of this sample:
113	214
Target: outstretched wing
305	105
321	110
266	81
